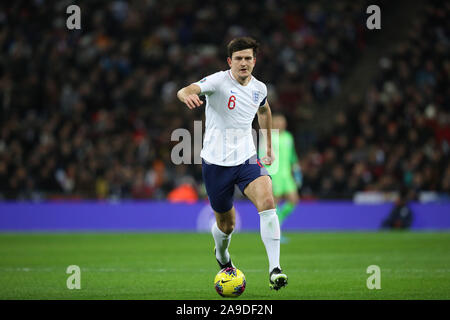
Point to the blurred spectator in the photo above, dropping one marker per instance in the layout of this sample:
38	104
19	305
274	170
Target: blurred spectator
183	193
401	216
398	136
89	113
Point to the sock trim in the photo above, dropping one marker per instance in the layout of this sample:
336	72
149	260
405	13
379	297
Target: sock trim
223	234
268	212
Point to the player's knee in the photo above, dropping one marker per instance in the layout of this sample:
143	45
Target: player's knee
266	203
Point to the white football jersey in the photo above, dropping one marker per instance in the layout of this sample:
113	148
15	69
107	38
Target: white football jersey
230	110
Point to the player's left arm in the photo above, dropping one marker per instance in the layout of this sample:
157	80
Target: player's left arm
265	123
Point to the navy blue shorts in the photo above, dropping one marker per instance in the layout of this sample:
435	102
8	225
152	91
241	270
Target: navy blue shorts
220	181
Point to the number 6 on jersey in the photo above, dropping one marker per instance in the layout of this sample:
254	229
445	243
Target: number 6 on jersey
232	102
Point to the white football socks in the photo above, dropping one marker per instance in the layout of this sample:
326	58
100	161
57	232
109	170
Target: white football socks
270	235
222	241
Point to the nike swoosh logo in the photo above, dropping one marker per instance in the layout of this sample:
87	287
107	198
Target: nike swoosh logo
233	92
225	281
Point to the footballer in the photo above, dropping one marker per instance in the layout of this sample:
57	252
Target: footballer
229	158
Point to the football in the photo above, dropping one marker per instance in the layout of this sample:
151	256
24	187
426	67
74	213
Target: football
230	282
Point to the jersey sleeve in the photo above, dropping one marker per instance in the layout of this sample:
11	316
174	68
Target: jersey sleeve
264	95
210	84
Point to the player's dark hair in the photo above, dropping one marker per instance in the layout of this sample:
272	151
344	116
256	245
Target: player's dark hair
242	43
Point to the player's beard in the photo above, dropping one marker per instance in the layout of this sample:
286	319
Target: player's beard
244	75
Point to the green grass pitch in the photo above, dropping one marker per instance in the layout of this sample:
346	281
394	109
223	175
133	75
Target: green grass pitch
181	266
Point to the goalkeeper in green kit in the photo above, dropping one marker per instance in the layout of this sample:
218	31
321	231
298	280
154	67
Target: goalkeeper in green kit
285	170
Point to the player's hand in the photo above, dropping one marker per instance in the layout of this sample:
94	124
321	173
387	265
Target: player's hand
269	158
193	101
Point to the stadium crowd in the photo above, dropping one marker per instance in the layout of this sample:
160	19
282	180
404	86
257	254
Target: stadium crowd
398	135
89	113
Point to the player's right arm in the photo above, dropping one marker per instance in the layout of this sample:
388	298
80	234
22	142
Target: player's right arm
189	96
